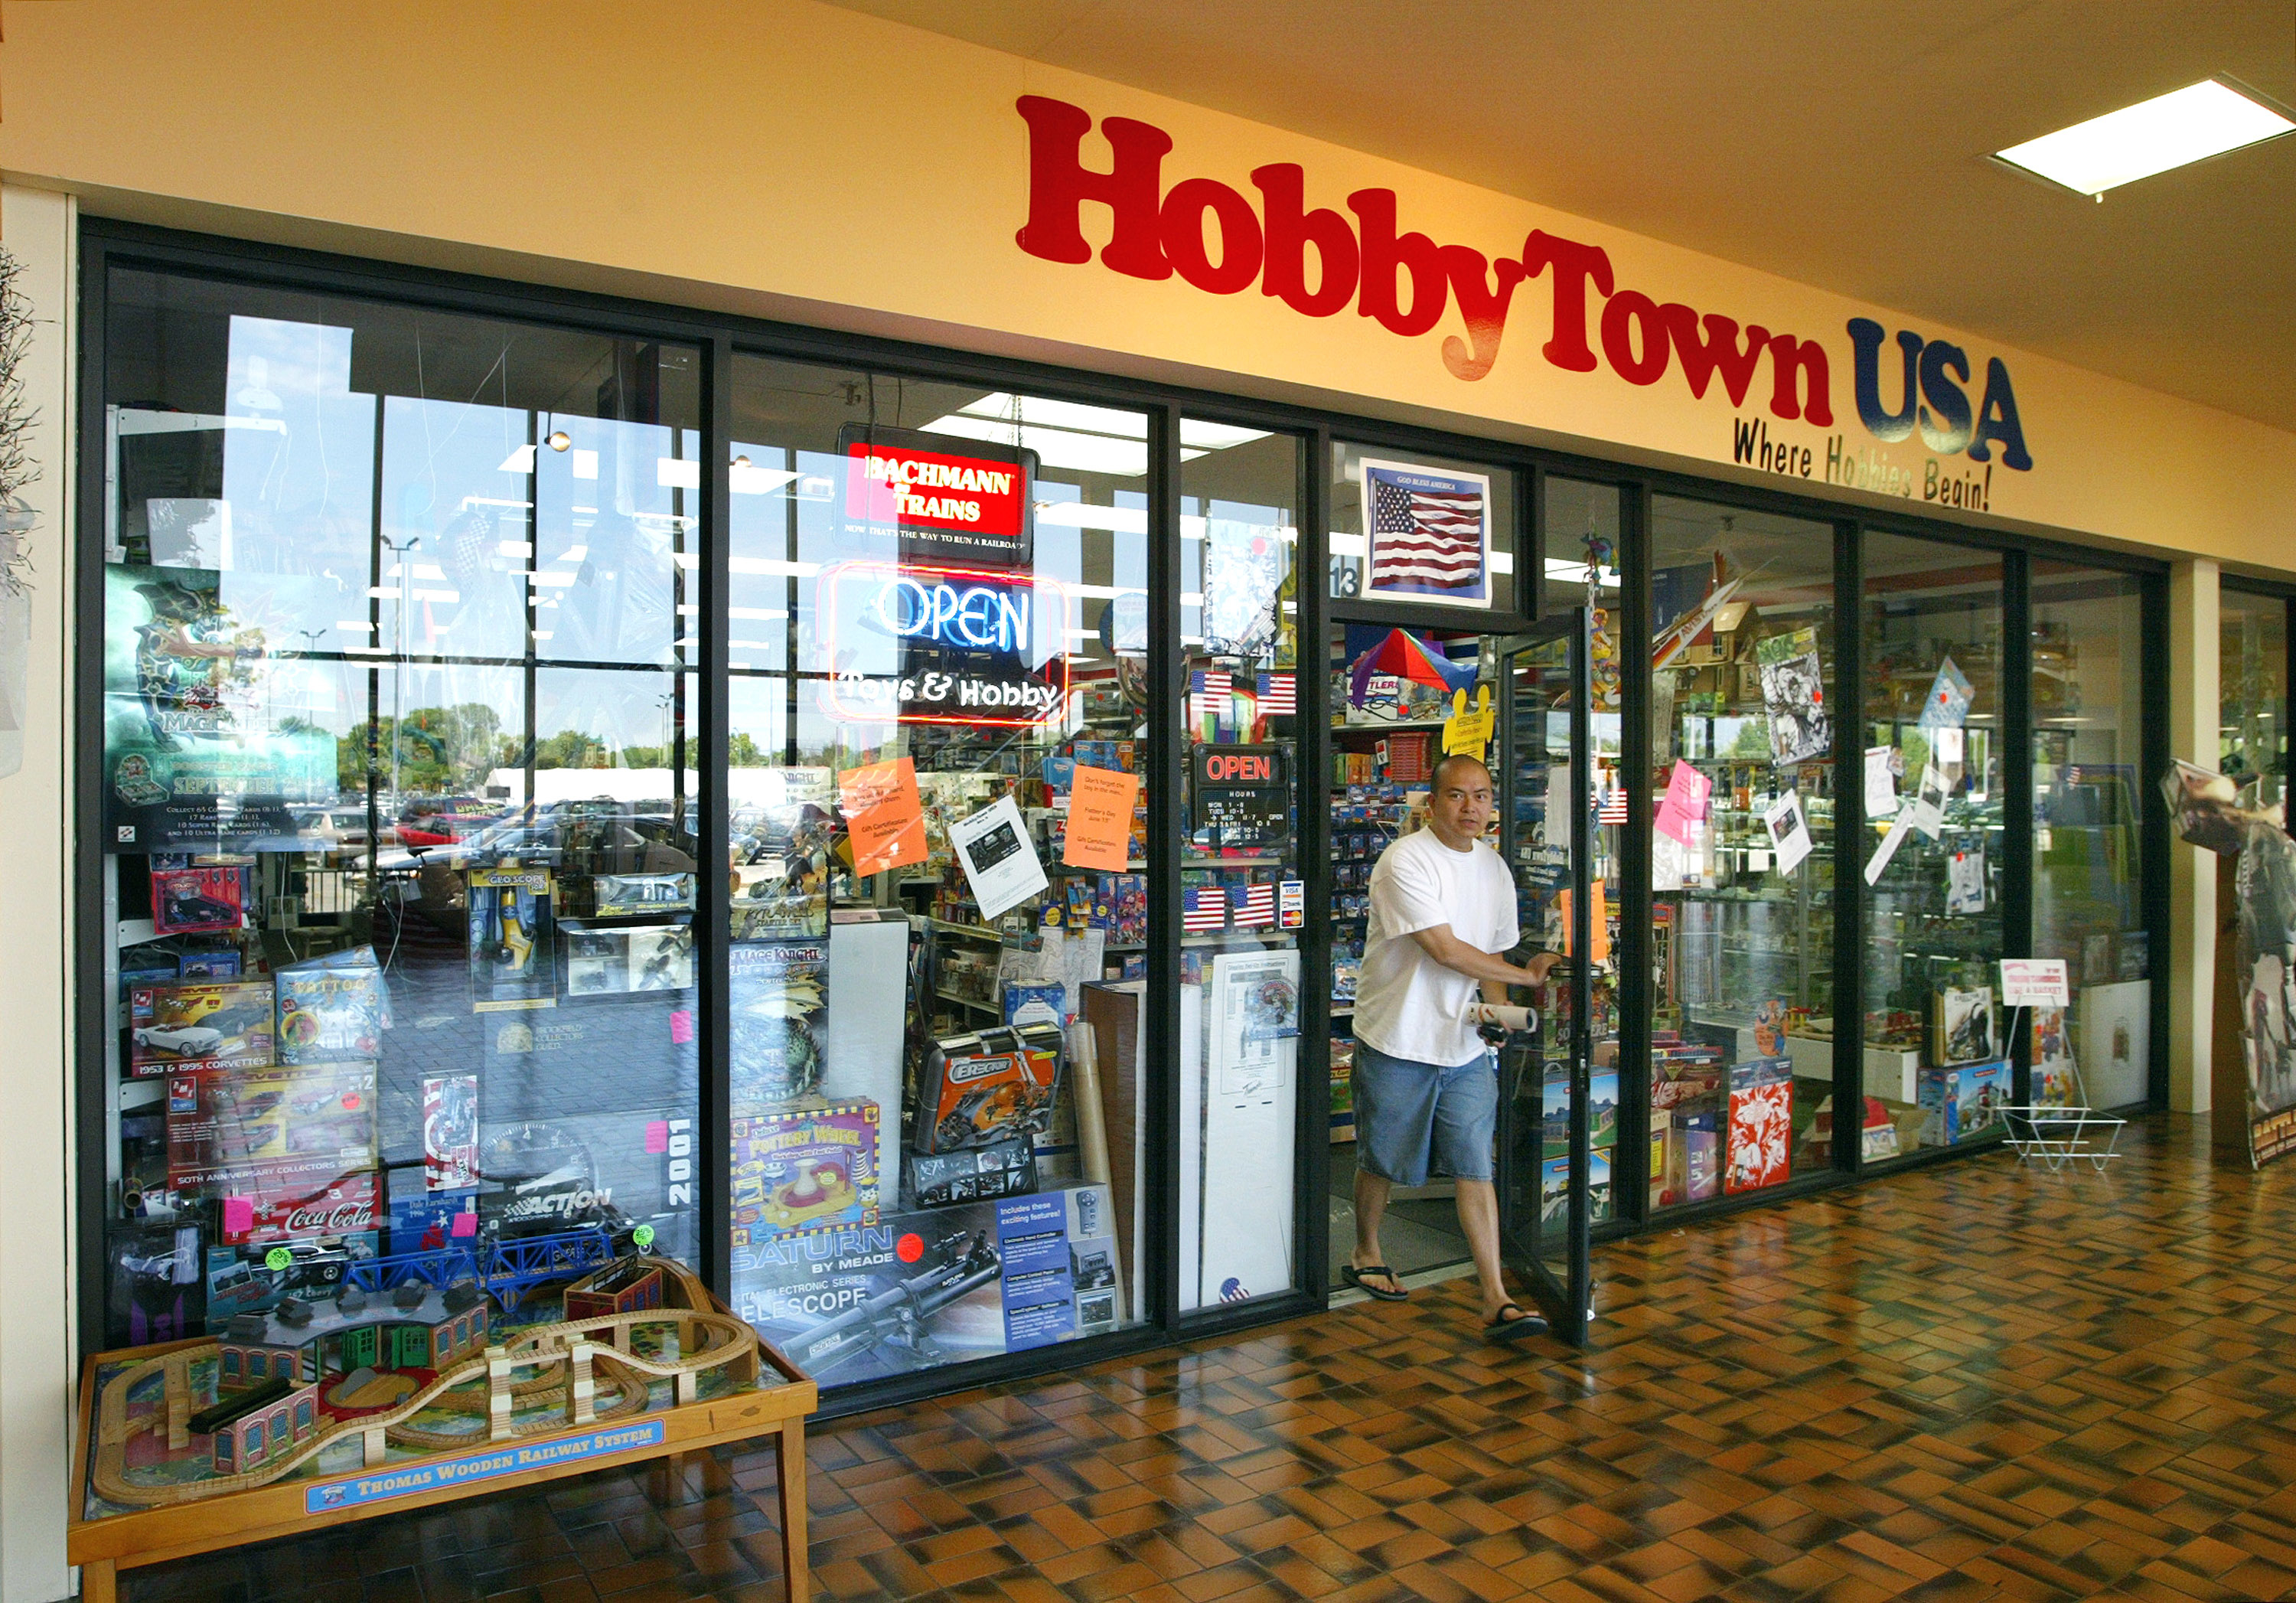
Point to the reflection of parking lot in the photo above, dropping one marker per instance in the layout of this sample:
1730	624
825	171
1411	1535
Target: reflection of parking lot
599	1072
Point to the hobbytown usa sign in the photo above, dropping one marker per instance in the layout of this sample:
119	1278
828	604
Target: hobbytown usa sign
1320	263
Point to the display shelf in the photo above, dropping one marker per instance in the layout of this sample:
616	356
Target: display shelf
1400	724
966	1001
1136	864
979	931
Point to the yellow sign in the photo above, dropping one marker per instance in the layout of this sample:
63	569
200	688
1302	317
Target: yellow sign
1465	731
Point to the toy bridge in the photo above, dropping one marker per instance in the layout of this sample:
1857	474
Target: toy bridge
510	1269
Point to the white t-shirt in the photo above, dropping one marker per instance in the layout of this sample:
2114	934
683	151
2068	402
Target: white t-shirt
1407	1005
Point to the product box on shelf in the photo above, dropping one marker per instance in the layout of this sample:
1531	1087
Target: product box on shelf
975	1089
1007	1168
805	1169
210	1024
328	1012
1959	1102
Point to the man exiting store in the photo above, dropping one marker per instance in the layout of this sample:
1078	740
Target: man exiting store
1426	1087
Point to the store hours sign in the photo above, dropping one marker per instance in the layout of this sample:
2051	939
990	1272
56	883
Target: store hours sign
912	643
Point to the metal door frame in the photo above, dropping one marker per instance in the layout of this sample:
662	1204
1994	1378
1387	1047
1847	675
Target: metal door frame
1563	1301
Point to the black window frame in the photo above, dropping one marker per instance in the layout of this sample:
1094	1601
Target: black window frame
720	338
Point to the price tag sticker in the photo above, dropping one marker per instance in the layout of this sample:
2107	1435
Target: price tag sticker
278	1257
642	1236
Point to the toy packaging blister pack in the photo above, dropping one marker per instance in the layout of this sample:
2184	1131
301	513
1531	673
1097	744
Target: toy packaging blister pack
222	1024
976	1089
512	940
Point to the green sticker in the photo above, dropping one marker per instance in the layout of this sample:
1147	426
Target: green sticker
642	1236
278	1257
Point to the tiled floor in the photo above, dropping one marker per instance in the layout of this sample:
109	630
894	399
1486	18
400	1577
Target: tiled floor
1971	1382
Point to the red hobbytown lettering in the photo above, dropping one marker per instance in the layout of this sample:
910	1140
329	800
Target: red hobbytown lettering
1058	184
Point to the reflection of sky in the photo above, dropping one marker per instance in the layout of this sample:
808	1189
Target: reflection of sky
299	495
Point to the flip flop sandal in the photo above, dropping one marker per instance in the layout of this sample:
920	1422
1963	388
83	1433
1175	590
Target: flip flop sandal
1505	1329
1359	1278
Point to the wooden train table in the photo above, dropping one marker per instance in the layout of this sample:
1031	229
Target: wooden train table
171	1462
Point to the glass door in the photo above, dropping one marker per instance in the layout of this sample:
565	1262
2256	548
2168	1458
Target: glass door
1553	1104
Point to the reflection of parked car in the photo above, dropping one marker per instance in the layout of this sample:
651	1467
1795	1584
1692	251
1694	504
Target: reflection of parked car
443	820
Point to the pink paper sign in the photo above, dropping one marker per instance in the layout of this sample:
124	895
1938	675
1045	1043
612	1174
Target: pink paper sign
237	1215
466	1223
1684	803
680	1025
657	1139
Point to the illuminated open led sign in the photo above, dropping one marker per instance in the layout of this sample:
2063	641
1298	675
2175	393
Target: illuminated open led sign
916	644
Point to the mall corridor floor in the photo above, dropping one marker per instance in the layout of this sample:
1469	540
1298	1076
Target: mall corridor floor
1973	1382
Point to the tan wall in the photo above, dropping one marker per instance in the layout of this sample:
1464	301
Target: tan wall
793	158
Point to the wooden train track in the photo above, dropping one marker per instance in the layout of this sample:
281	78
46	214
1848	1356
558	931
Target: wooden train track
576	1349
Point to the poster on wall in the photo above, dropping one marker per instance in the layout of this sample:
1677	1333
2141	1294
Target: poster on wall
2113	1037
1244	565
1793	697
1429	532
208	735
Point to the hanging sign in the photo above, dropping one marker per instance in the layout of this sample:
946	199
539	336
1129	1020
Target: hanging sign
2034	983
1465	731
947	498
1240	796
914	644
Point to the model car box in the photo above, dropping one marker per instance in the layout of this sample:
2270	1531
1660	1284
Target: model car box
205	1024
225	1119
196	900
805	1169
976	1090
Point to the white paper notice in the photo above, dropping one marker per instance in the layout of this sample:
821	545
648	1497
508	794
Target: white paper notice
1899	828
999	863
1789	831
1946	747
1928	811
1881	783
2034	983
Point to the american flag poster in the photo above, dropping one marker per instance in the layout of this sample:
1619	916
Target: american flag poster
1255	904
1205	910
1429	532
1279	696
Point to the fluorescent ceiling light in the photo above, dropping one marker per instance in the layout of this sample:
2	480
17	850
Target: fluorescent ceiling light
1106	454
758	480
2170	131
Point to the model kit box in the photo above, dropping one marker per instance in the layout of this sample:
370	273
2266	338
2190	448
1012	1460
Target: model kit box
196	900
805	1169
1957	1102
618	895
219	1025
978	1089
225	1119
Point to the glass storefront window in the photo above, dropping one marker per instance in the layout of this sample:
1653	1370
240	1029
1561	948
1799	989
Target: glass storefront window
2252	685
397	797
1743	747
937	629
1936	1061
2088	835
1441	532
1244	897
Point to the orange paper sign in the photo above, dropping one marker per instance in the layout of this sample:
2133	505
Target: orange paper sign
883	818
1099	819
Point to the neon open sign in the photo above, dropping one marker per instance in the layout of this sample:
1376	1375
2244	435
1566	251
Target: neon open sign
970	617
919	645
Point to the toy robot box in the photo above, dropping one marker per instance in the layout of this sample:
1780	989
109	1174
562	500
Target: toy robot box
223	1025
976	1090
805	1169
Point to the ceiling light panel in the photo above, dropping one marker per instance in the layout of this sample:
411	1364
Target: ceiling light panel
2154	135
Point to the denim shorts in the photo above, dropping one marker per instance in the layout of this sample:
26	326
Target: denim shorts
1407	1113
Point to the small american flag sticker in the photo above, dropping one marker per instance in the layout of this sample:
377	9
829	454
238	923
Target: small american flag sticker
1255	904
1204	909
